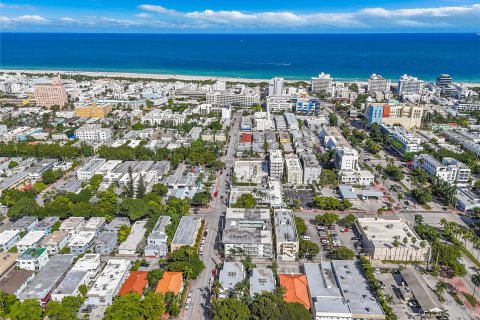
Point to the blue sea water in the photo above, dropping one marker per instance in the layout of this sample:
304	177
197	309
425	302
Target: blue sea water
293	56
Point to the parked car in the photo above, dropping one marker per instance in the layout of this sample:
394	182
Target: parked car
344	230
305	237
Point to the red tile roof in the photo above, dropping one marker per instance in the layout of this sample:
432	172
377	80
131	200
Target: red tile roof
296	286
171	281
136	282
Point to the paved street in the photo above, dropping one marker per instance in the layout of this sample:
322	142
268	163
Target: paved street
200	289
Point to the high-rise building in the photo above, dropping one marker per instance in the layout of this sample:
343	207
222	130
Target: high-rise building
408	85
444	80
321	83
49	95
275	87
376	83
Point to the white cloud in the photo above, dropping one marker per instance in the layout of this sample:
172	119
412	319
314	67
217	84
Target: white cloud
27	19
419	12
143	15
156	9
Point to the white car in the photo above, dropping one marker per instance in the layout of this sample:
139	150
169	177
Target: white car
305	237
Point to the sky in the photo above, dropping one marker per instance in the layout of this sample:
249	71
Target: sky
240	16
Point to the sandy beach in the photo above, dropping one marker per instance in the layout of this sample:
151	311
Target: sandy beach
156	76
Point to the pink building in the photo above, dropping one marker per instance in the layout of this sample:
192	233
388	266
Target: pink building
48	95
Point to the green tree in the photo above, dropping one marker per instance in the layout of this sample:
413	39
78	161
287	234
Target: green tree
134	208
153	276
342	253
265	307
29	309
130	190
326	203
332	119
246	200
123	233
328	177
12	164
23	207
294	310
153	306
326	219
65	310
308	249
349	220
50	176
230	309
141	188
476	281
185	259
215	126
95	182
201	198
6	302
301	226
128	306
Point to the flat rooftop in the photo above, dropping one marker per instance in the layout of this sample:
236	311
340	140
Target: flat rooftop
7	260
285	229
231	274
32	253
69	284
48	277
247	226
71	223
186	230
14	279
261	280
7	235
31	238
110	277
135	236
23	223
81	239
116	223
46	223
54	238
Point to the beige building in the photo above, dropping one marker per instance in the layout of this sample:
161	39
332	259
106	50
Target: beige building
408	116
392	240
93	110
49	95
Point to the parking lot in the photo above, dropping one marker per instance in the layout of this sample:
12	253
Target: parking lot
304	195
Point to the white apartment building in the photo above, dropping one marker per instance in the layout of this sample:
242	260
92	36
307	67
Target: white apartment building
229	98
292	121
376	83
72	225
90	263
408	85
276	164
311	168
109	282
346	159
321	83
449	170
262	121
275	87
8	239
33	259
80	242
88	170
294	171
93	133
279	103
31	240
55	241
286	236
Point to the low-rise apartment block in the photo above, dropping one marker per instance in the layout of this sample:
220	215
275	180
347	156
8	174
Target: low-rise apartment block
33	259
130	245
248	231
80	242
93	133
24	224
72	225
276	164
8	239
187	232
90	263
157	239
30	240
262	280
293	169
311	168
106	242
286	236
449	170
55	241
109	282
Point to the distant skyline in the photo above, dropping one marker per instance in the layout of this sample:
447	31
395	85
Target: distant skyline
247	16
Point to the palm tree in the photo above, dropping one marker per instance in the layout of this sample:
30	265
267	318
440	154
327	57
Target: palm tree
440	288
216	286
190	251
476	281
388	298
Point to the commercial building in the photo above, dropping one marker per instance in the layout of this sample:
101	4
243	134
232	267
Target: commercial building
360	177
130	245
49	95
338	290
261	280
93	110
408	116
72	225
157	239
449	170
70	285
248	231
31	240
374	114
231	274
170	282
296	288
403	141
466	200
81	242
108	283
311	168
8	239
105	242
391	240
41	287
187	232
136	282
376	84
306	106
93	133
276	164
275	87
421	290
321	83
33	259
293	169
286	237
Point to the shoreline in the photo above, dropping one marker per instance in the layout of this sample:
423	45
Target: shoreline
180	77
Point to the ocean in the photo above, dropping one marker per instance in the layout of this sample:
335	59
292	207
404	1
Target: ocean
262	56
